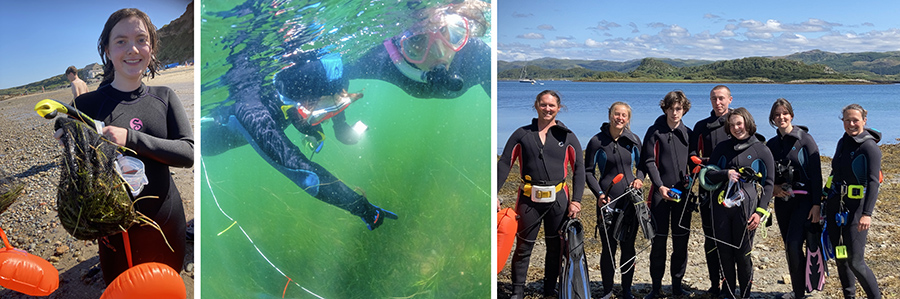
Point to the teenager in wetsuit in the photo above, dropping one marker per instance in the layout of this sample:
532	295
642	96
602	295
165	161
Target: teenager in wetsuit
665	156
614	150
545	150
707	133
737	209
151	121
797	169
441	56
856	170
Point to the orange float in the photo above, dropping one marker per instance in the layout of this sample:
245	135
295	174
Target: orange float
147	280
506	235
26	273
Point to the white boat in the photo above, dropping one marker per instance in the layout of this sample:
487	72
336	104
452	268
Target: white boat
523	78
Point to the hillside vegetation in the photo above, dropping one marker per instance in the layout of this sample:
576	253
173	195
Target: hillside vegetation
807	67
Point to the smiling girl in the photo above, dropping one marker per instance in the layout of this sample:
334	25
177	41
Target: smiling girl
152	122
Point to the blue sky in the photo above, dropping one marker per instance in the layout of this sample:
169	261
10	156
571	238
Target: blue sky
40	39
710	30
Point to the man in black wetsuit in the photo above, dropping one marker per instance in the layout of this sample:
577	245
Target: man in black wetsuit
707	133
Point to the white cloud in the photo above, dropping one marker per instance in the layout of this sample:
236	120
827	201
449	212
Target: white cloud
605	25
657	25
758	35
546	27
634	27
675	31
531	35
565	37
593	44
725	33
560	43
711	16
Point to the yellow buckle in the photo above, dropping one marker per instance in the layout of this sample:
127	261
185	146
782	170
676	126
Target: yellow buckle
543	194
856	191
527	189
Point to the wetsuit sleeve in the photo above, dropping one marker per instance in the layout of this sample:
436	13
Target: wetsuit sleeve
874	158
177	149
511	151
639	172
814	171
769	184
589	176
648	155
578	178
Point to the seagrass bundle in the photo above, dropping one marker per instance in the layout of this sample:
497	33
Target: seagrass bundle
92	198
9	191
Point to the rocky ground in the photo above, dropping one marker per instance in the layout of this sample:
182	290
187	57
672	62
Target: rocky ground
29	153
771	278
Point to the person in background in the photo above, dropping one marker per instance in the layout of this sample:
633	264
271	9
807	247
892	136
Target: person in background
544	150
665	156
78	86
707	133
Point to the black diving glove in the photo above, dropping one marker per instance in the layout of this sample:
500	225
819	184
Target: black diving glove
375	216
441	77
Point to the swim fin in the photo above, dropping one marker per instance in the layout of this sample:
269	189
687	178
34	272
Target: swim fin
815	264
574	282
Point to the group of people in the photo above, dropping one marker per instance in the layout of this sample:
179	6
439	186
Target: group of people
740	172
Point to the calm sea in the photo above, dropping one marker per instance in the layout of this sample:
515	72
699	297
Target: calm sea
815	106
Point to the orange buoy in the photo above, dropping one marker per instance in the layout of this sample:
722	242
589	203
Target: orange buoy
147	280
26	273
506	235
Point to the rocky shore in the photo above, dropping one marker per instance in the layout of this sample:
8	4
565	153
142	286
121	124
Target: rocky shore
770	278
29	153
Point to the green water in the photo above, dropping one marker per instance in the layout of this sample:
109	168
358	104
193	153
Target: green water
427	160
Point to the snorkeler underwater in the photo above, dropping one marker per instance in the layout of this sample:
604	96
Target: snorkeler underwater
344	158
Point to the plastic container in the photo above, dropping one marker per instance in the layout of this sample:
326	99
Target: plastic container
132	170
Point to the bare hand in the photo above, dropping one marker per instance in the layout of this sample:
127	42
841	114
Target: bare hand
116	135
753	223
864	222
574	208
58	134
637	184
814	214
664	191
601	200
733	175
778	192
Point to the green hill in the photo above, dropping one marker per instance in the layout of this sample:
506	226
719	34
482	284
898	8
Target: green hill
866	63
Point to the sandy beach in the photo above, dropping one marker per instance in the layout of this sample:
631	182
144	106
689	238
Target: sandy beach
30	154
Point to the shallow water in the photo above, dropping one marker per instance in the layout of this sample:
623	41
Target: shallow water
427	160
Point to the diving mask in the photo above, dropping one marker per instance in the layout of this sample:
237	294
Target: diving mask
452	34
733	195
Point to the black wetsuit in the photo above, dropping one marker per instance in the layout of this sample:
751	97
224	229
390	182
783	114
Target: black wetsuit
708	133
792	213
665	156
256	118
610	158
730	224
857	161
160	134
472	63
543	165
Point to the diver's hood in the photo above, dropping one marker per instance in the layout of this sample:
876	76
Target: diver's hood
740	145
311	78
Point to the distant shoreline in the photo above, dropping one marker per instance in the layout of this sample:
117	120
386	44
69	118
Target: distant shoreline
794	82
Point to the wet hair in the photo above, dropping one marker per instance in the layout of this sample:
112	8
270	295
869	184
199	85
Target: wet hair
675	97
109	71
854	106
780	102
71	70
749	124
627	107
537	100
720	87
